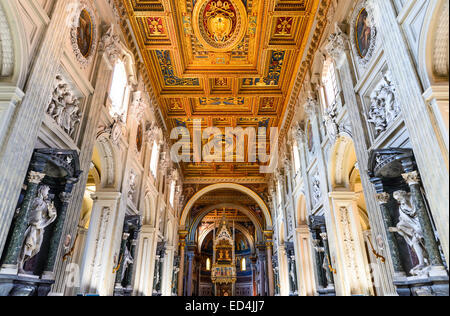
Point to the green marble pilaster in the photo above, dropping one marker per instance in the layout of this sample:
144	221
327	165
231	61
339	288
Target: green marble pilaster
65	197
120	263
431	245
383	199
129	276
326	246
292	268
20	223
277	281
318	265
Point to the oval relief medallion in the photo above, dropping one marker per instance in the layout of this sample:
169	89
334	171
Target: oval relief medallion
84	34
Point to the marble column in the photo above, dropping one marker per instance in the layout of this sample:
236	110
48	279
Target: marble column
326	247
157	274
262	272
190	272
255	286
319	270
383	199
65	197
20	224
413	181
269	268
182	259
120	263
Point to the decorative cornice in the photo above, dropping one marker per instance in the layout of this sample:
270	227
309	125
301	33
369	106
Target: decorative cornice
321	23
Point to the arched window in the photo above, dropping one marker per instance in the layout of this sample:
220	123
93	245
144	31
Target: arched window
243	264
154	159
208	264
330	88
119	92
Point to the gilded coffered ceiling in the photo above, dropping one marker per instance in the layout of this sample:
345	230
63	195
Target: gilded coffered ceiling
229	63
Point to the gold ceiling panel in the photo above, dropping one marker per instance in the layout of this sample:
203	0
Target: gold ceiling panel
226	62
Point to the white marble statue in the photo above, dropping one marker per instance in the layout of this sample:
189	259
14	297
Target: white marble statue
42	214
409	228
127	260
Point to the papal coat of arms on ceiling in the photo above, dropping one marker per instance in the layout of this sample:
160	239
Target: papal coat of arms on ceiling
219	25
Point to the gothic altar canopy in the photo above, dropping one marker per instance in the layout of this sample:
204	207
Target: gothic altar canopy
223	272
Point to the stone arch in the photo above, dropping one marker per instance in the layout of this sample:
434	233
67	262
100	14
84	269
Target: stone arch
14	46
150	212
342	160
243	209
109	162
238	226
233	186
433	44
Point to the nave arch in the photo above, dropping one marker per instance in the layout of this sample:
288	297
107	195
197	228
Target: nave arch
265	210
198	219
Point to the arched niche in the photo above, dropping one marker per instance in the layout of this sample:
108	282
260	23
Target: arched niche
342	161
233	186
109	168
150	212
14	46
253	218
433	44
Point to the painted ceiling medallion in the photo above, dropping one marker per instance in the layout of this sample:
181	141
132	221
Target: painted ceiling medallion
220	25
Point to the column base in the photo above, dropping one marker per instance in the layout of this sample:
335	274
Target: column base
329	291
119	290
9	269
423	286
23	285
47	275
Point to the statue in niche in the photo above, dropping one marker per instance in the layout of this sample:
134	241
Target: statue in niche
292	274
409	228
127	260
42	214
325	262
